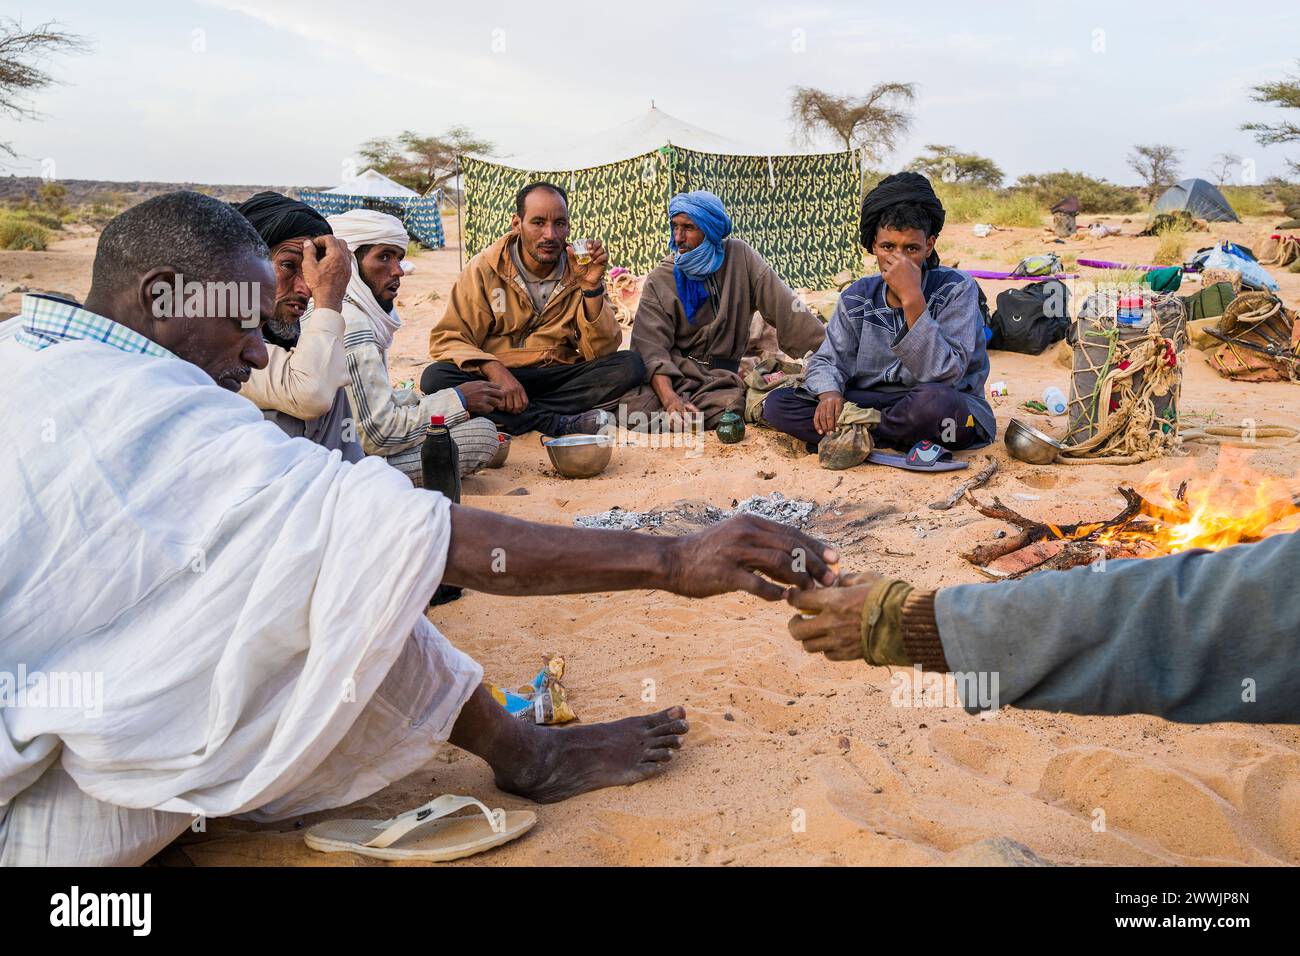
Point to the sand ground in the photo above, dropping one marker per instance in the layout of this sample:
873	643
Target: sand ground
780	738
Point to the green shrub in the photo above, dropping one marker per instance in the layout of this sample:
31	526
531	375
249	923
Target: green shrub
19	232
963	202
1169	250
1094	195
52	195
1247	200
49	220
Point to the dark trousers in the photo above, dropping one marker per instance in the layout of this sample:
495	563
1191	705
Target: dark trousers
927	412
553	390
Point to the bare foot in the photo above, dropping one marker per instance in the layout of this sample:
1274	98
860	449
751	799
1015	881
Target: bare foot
562	762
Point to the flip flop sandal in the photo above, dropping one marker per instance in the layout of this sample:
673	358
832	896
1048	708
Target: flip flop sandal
924	456
428	833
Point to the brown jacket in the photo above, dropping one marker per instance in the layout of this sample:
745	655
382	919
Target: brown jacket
472	331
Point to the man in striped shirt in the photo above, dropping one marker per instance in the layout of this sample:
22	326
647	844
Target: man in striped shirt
392	422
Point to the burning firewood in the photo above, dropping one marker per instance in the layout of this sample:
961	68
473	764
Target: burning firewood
1039	545
1232	506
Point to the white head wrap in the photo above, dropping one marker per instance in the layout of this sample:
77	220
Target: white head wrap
365	227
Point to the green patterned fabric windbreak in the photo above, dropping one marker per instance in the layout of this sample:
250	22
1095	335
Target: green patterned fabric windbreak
799	212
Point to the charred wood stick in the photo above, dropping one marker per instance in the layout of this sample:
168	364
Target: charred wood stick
1030	531
1003	513
1073	555
979	481
1132	508
983	554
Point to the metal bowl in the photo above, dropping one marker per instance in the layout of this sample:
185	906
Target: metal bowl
1027	443
580	456
503	451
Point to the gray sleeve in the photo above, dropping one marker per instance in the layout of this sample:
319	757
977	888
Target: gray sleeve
939	346
832	365
1197	637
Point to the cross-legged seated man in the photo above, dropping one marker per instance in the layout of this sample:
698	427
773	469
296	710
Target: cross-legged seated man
909	341
392	422
528	317
692	325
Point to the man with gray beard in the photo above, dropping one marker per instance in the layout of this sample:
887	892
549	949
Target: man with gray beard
302	387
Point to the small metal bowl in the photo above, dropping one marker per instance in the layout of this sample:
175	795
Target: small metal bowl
1027	443
503	451
580	456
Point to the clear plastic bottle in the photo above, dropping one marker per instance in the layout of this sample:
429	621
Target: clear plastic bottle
1054	399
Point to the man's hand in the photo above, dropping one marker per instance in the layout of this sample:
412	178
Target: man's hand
592	274
481	397
829	406
326	268
513	398
903	277
836	628
676	405
730	557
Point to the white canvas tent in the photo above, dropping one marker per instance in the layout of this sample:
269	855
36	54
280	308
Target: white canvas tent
642	134
373	190
373	183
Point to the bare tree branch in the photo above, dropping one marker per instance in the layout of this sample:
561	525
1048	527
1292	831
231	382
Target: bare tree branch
873	123
1286	94
22	56
1157	165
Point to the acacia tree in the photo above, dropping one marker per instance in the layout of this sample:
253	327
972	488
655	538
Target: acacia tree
1286	94
1223	166
872	123
948	164
422	162
22	52
1156	165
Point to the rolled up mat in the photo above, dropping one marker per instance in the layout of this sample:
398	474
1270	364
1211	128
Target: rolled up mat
1103	264
985	274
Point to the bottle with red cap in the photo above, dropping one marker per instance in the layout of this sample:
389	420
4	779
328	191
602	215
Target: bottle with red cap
439	460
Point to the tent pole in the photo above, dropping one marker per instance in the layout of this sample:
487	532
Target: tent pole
460	220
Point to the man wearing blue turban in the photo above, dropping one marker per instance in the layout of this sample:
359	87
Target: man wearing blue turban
693	323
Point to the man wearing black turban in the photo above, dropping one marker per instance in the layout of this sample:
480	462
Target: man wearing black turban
908	342
302	387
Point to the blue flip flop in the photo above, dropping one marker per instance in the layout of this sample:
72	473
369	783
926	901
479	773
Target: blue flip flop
924	456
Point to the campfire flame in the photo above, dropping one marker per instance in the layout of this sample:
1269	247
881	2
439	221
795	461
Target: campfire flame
1233	504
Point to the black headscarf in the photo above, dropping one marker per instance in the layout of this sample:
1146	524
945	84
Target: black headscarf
895	189
277	218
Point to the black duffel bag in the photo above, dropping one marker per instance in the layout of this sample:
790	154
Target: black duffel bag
1031	318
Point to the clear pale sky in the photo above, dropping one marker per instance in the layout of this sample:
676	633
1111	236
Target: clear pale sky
283	91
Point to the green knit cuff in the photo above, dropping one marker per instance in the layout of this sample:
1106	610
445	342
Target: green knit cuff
882	623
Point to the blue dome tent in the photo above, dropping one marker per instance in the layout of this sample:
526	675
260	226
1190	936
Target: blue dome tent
1199	198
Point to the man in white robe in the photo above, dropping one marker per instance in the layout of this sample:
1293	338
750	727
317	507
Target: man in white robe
251	605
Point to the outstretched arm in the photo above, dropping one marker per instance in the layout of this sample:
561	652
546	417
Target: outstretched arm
501	555
1196	637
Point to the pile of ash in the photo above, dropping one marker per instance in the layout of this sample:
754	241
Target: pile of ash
774	507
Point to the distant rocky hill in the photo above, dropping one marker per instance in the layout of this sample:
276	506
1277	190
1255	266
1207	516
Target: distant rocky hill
128	193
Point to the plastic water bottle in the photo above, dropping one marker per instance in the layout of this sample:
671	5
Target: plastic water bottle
1054	399
1132	312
